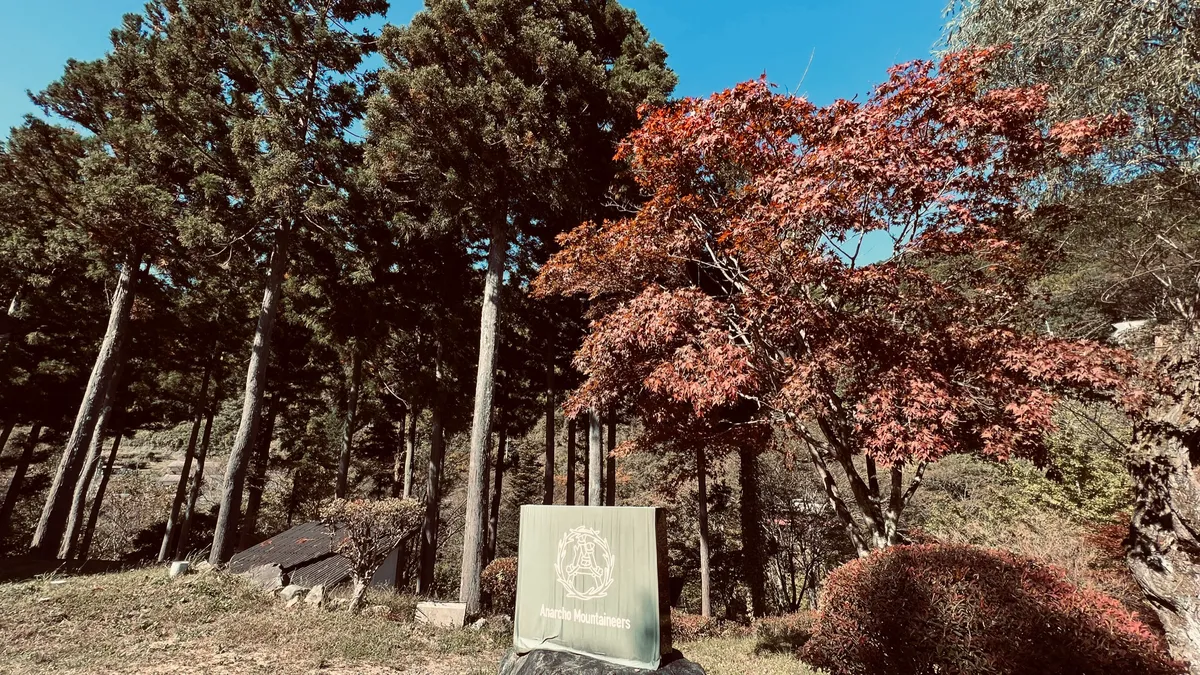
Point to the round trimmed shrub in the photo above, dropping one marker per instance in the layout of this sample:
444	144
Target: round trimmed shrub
963	610
499	580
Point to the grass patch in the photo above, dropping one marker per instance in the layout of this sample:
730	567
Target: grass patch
738	656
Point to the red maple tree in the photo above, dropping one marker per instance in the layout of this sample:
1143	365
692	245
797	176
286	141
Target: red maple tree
742	283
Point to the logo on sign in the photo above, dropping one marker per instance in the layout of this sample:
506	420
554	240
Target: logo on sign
584	566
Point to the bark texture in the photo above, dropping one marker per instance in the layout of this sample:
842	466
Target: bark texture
595	490
258	474
469	590
497	489
189	513
48	536
343	474
256	371
83	484
1164	538
433	503
85	546
752	538
401	460
551	407
571	462
610	466
702	513
18	478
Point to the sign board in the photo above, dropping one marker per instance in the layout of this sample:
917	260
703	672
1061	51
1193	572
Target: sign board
593	580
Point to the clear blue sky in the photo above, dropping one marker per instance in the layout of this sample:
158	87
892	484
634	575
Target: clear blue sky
713	44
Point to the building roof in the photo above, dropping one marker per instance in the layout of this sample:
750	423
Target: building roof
300	546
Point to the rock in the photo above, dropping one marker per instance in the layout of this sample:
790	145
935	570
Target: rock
479	624
501	623
546	661
444	614
179	568
316	596
266	577
293	602
203	567
292	591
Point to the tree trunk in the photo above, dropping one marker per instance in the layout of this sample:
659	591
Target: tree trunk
752	540
571	462
243	442
481	423
551	408
86	545
343	475
433	502
258	474
610	468
18	478
50	525
5	433
168	542
401	460
10	329
1163	546
702	505
189	513
497	487
83	484
595	481
410	452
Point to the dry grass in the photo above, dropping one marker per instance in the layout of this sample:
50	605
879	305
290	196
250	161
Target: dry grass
142	622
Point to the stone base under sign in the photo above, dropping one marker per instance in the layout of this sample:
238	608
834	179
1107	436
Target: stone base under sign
543	661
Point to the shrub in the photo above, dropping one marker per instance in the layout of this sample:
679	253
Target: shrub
691	627
959	610
365	532
786	633
499	579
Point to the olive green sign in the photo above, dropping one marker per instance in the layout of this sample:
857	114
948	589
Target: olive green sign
593	580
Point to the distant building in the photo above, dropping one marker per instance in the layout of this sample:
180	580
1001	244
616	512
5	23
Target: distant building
305	556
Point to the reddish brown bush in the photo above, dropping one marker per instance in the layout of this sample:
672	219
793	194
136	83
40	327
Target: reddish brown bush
963	610
499	580
691	627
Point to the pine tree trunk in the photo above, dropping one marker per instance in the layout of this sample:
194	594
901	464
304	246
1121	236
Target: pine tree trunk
258	474
48	535
401	460
168	542
243	442
85	546
18	479
571	461
610	468
5	433
595	491
752	539
481	423
702	504
83	484
433	502
410	454
7	335
551	407
189	513
343	474
497	488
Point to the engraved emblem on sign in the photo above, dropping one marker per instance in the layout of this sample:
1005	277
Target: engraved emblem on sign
584	565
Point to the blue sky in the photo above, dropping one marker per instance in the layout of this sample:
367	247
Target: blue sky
713	44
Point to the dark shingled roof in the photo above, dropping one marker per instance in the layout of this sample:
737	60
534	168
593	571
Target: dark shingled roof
298	547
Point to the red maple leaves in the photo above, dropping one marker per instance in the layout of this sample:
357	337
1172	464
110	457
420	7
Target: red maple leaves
752	271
